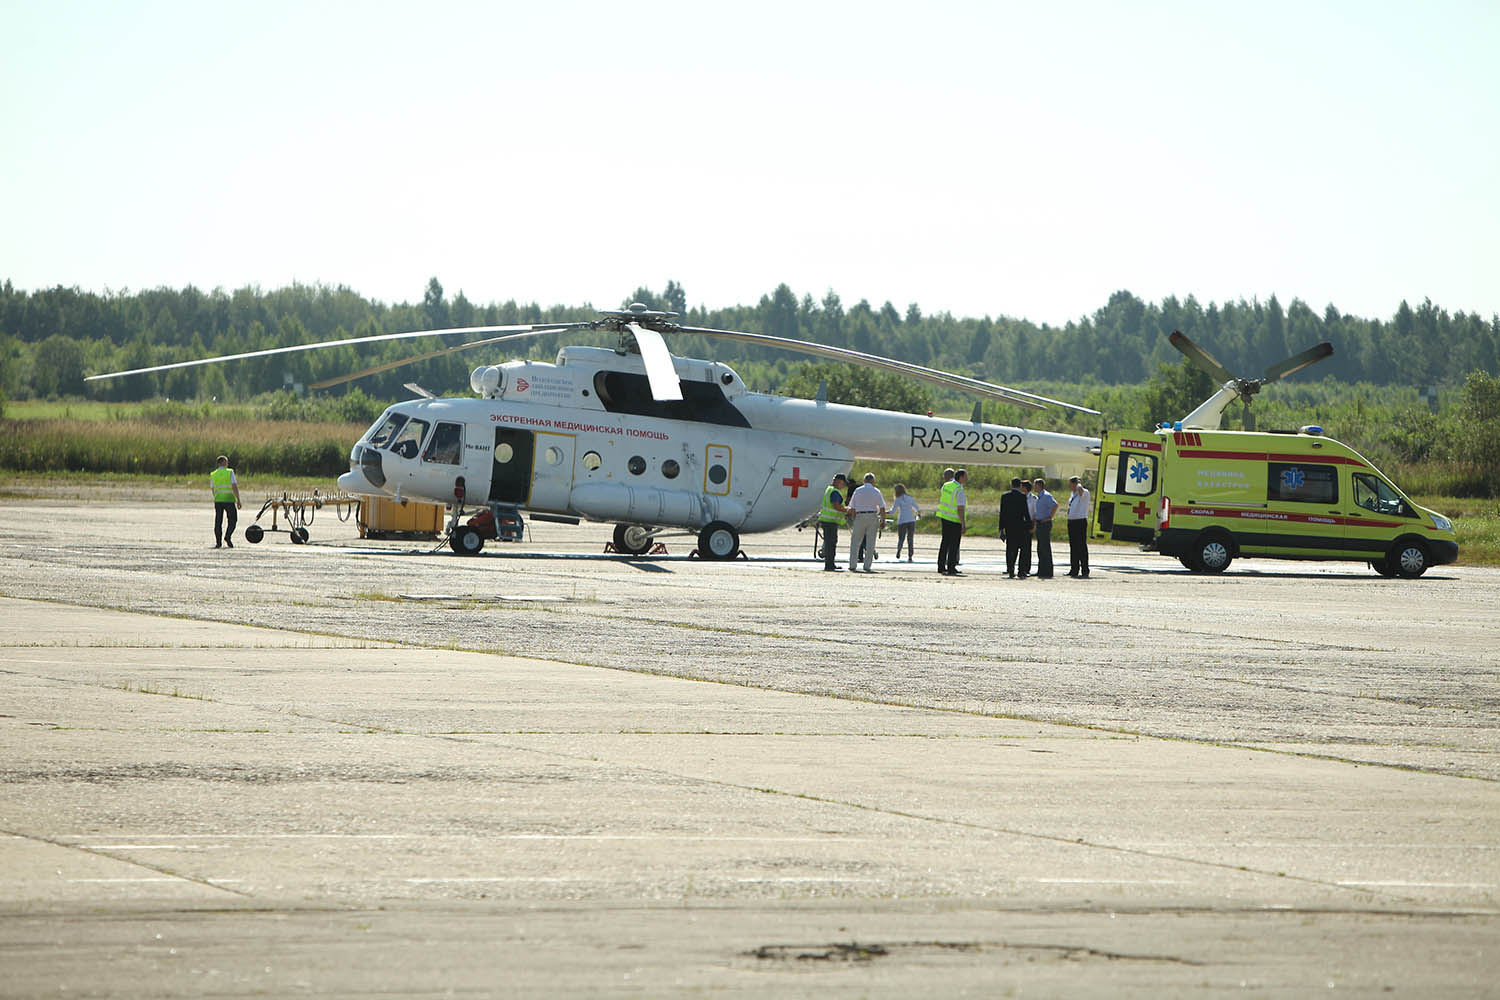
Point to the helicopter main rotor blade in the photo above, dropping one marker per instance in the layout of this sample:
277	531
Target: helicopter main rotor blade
1200	357
660	371
527	329
389	365
1297	362
1015	397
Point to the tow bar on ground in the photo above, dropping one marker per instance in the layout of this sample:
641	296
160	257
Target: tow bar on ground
298	511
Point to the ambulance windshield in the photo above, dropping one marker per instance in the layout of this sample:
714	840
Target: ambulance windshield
1373	493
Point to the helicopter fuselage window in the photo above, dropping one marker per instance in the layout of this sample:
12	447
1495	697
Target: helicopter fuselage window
717	474
387	431
408	443
447	444
636	465
701	402
592	460
670	468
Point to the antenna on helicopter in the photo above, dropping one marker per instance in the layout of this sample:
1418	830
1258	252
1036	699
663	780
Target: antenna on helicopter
1209	413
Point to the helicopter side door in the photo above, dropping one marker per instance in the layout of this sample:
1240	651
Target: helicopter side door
717	468
510	466
552	471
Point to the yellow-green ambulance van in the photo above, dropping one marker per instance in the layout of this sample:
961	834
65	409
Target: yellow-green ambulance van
1209	497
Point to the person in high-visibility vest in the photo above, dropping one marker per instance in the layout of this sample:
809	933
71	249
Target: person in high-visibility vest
952	505
830	517
226	501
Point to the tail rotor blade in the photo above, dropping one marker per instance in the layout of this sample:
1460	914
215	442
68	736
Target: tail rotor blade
1297	362
1200	357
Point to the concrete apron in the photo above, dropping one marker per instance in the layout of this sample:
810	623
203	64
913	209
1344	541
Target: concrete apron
192	805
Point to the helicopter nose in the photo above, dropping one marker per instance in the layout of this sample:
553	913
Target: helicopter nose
353	482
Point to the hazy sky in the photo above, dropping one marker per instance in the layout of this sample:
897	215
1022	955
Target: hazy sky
981	158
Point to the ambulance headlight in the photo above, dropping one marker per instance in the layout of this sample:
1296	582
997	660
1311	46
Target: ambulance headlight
1441	523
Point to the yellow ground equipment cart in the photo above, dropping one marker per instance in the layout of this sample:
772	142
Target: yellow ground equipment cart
382	518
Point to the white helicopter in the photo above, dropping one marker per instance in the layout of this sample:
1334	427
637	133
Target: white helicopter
653	442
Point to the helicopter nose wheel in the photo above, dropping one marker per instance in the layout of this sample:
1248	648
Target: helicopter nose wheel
466	540
718	541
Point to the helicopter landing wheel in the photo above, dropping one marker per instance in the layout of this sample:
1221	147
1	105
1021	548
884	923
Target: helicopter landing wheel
466	540
718	541
254	533
632	539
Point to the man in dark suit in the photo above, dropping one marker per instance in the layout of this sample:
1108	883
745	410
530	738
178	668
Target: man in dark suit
1015	529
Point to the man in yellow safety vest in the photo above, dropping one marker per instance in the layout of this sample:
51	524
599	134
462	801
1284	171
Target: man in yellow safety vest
952	504
226	501
830	517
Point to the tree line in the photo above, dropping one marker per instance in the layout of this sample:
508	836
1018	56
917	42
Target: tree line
51	338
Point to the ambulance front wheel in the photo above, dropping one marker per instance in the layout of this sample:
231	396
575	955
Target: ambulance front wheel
1211	553
1409	558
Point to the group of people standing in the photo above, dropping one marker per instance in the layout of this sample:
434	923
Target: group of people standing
1027	511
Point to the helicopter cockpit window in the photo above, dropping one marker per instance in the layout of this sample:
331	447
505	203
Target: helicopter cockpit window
386	432
447	444
1374	494
409	442
702	402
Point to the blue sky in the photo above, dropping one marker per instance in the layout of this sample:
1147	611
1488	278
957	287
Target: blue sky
980	158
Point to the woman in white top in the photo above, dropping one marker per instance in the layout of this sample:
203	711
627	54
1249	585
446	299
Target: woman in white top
907	513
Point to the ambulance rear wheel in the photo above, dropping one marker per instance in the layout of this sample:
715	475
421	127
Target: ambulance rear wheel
254	534
632	539
466	540
1211	554
1382	566
718	541
1409	558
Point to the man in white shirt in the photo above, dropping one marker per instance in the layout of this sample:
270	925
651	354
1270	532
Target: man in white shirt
869	514
1078	530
